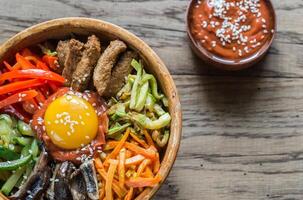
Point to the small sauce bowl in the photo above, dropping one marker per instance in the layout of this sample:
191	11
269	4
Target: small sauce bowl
208	34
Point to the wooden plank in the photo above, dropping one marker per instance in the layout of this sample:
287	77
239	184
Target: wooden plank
162	25
242	139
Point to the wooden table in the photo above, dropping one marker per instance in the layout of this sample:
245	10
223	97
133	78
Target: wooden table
242	135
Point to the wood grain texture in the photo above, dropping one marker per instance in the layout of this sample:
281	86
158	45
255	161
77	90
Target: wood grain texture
242	135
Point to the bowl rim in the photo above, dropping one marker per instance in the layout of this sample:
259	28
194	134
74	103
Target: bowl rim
204	55
146	52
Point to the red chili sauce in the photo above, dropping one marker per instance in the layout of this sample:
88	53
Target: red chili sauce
231	29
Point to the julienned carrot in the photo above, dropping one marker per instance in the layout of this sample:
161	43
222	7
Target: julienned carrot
134	160
117	189
98	163
117	149
11	87
148	173
142	166
149	139
102	192
140	141
156	163
140	182
25	64
109	181
18	97
33	73
121	167
150	153
130	193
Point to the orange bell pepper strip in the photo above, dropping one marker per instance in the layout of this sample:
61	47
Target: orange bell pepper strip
18	97
140	182
33	73
25	64
109	181
11	87
121	167
137	139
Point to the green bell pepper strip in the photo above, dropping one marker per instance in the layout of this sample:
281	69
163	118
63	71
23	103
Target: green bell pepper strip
142	97
12	180
8	154
15	164
147	123
24	128
134	91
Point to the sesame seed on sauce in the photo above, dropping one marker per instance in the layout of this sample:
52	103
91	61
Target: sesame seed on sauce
232	28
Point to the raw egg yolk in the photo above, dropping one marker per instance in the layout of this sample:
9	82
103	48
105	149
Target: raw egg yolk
71	122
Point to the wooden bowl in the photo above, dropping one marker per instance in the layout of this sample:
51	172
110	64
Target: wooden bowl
209	58
62	28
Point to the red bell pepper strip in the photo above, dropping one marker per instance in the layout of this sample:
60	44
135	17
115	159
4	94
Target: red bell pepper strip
26	52
51	61
33	73
40	98
11	87
17	112
8	66
25	64
19	97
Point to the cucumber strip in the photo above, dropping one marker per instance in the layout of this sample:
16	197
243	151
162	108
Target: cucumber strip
15	164
12	180
8	154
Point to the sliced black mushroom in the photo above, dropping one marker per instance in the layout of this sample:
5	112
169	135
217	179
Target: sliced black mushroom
37	182
61	185
78	186
90	178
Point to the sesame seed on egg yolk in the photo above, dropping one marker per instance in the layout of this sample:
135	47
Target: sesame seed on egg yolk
71	122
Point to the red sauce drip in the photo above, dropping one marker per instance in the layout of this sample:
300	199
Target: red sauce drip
231	29
72	155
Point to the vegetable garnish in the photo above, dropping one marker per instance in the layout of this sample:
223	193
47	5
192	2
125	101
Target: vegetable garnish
20	85
119	170
18	152
18	97
32	73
